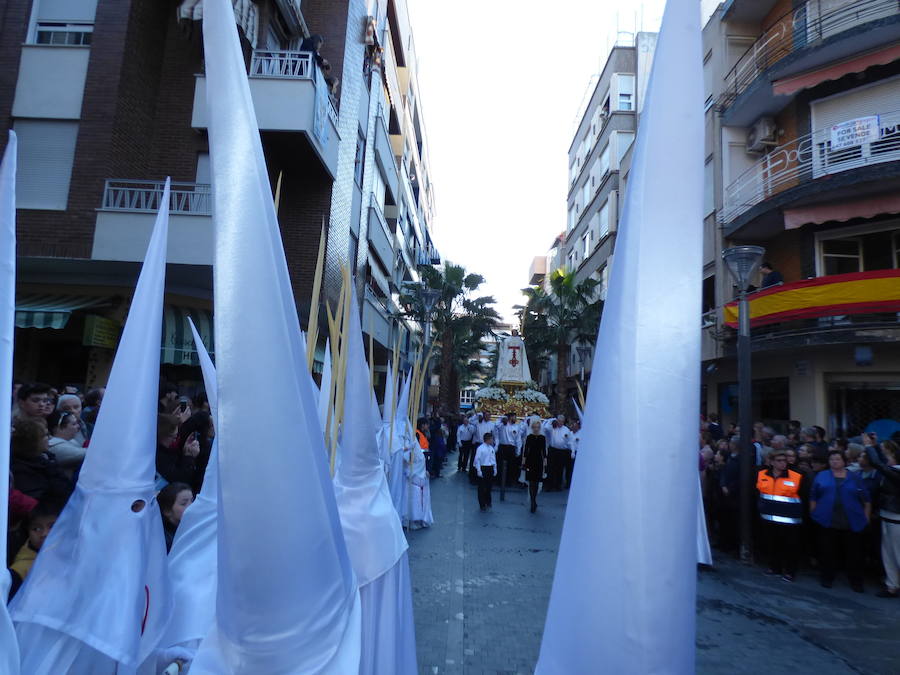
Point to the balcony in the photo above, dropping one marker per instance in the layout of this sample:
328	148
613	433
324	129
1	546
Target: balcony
375	318
809	164
428	255
841	308
289	95
125	221
812	35
384	154
378	234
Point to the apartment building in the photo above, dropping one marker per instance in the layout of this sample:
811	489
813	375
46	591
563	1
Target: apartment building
803	158
606	130
108	98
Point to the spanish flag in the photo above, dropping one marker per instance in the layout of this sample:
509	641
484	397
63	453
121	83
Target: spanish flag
838	294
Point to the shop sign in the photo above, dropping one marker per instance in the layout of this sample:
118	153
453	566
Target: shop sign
100	332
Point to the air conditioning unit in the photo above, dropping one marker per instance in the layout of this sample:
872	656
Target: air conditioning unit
761	135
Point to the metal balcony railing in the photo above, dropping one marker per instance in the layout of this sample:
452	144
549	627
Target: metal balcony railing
137	196
282	63
428	255
805	159
803	27
291	65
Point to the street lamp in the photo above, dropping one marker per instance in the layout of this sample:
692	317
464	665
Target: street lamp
742	262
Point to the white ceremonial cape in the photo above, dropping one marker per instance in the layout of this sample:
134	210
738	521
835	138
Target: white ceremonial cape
9	646
371	526
287	599
193	562
634	612
98	597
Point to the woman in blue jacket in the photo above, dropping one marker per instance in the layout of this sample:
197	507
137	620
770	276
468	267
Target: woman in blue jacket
840	503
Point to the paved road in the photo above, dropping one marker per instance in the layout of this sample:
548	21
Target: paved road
481	583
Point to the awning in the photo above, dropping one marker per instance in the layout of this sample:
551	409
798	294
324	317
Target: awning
834	295
51	311
794	83
177	341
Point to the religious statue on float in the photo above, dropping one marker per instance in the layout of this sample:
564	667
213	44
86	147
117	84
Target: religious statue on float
512	390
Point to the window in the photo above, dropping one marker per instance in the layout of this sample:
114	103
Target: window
378	187
841	256
709	197
586	193
573	173
354	252
70	34
603	220
572	260
467	398
46	155
359	162
626	92
708	79
586	243
603	163
624	139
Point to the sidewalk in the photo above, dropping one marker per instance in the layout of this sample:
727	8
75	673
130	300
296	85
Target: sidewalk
481	584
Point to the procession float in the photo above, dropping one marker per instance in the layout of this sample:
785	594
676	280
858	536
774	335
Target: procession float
512	390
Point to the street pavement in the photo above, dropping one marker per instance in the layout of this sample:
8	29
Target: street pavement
481	584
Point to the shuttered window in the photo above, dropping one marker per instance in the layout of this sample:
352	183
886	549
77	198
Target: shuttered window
46	154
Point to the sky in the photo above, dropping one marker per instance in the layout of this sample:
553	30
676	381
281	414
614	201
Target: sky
501	84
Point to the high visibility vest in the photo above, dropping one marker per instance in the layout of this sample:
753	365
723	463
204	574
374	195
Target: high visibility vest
779	498
423	440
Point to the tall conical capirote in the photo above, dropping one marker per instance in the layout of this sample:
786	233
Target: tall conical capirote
100	587
624	587
9	645
193	560
371	525
287	599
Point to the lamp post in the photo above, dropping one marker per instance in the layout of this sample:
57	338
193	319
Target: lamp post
742	263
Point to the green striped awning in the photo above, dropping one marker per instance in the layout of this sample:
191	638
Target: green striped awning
177	342
51	311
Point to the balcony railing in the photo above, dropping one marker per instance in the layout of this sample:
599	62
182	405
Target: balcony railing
837	297
807	158
292	65
428	255
800	28
137	196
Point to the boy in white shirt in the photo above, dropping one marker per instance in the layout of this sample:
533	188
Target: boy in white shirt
485	466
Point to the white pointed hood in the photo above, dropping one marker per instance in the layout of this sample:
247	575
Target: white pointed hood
193	562
640	544
287	599
371	525
102	576
9	646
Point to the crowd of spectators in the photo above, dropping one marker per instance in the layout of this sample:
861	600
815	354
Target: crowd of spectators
50	438
823	504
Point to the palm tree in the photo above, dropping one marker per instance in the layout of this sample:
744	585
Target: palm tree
552	321
460	319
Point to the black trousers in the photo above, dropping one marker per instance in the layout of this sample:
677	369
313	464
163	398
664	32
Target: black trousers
484	486
783	543
465	449
568	469
837	544
556	459
506	461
